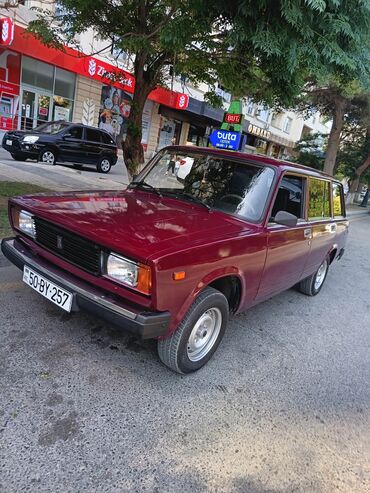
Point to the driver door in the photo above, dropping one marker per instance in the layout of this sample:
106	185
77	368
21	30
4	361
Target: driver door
288	248
70	145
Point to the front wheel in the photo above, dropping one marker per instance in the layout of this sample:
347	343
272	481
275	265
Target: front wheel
312	285
197	337
104	165
47	156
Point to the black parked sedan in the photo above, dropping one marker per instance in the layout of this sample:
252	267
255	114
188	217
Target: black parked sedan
60	141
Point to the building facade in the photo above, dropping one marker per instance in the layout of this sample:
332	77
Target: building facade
39	84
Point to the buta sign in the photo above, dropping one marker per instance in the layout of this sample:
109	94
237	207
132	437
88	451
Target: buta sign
224	139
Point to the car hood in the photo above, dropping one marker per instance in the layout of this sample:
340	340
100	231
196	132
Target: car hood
22	133
136	223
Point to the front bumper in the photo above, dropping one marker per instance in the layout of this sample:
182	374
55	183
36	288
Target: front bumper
144	324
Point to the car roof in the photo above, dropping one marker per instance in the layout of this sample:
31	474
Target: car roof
255	158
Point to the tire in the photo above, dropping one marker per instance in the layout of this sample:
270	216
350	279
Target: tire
18	156
47	156
179	351
312	285
104	165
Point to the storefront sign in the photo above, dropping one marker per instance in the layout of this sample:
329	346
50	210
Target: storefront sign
232	118
105	73
260	132
7	31
223	139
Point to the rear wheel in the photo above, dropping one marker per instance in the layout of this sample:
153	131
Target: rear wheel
312	285
47	156
104	165
17	156
198	335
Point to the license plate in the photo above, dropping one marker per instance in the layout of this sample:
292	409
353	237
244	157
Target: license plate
48	289
9	142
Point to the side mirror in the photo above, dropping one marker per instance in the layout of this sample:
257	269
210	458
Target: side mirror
286	219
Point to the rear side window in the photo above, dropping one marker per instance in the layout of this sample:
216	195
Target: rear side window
338	208
107	139
290	196
93	135
318	199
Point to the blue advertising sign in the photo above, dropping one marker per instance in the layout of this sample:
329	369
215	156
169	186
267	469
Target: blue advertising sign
224	139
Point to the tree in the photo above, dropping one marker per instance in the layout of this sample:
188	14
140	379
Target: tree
310	150
263	49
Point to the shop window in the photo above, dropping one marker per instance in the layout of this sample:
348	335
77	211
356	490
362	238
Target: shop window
319	199
37	74
64	83
337	200
62	108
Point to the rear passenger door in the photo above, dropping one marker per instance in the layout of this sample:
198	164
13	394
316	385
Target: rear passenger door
287	247
93	145
323	228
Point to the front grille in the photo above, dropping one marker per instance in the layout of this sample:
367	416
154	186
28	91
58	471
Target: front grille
69	246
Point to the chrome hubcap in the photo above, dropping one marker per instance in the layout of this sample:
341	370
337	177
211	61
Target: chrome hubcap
48	157
105	165
204	334
320	276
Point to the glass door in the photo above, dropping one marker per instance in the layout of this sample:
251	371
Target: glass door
28	110
35	109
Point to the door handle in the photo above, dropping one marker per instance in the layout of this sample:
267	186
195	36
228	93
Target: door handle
307	233
332	228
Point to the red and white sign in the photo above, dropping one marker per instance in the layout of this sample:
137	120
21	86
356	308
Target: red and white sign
105	72
232	118
182	101
7	31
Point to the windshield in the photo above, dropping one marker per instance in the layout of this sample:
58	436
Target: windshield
51	128
218	182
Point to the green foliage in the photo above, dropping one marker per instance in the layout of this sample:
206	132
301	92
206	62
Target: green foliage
264	49
310	150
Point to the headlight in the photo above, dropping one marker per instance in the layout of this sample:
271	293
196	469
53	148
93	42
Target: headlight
135	275
30	139
24	221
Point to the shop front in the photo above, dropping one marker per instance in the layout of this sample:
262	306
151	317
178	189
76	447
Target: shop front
40	84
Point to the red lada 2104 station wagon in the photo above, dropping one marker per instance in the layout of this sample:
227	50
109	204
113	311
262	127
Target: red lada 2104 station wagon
178	251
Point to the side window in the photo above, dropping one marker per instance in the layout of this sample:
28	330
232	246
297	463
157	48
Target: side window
107	139
93	135
319	199
75	132
290	196
338	208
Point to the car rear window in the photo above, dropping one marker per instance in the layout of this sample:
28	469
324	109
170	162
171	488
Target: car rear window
107	139
93	135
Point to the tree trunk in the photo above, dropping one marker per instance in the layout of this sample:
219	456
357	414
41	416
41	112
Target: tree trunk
133	153
334	136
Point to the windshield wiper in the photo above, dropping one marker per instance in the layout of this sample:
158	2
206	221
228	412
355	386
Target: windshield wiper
188	196
144	184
